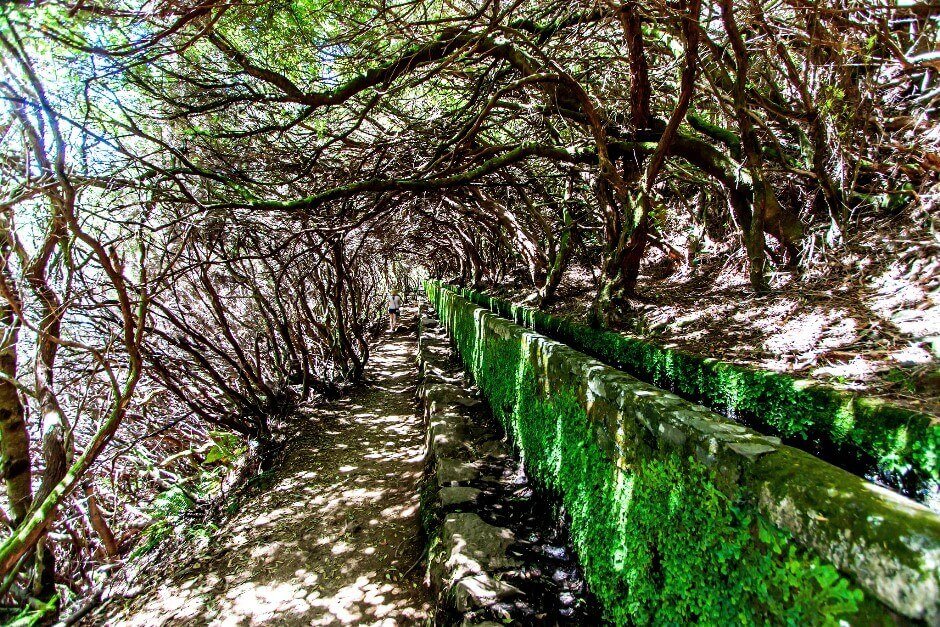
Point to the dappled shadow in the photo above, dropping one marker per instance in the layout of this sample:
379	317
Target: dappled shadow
863	324
332	535
850	332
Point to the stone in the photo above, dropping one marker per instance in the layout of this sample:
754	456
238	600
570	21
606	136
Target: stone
772	440
451	471
490	447
882	542
457	495
480	591
606	443
671	434
751	450
441	396
447	436
474	547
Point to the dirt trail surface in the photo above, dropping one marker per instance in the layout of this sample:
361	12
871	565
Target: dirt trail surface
334	538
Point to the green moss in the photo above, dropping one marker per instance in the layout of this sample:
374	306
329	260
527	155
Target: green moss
659	542
898	439
853	510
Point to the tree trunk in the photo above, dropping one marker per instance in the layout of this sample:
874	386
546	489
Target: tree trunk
562	257
98	522
14	438
15	464
763	194
625	244
633	253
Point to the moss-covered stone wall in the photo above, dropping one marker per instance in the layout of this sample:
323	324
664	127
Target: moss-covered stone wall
679	514
899	440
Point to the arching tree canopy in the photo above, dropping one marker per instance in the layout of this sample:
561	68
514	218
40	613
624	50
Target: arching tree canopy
203	205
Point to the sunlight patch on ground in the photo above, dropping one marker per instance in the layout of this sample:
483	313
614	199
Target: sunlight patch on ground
812	333
901	301
255	604
357	603
912	355
330	546
858	369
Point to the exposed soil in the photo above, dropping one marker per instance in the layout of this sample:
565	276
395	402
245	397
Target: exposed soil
864	316
332	536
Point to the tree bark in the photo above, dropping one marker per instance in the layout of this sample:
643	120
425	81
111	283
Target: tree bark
561	258
754	241
15	462
98	522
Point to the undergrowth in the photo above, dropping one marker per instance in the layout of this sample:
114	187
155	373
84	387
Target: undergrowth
36	612
178	510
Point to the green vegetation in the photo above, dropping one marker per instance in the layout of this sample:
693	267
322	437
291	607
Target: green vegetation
206	208
659	541
900	440
35	614
172	511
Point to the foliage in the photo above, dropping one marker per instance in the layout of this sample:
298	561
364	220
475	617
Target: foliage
226	448
29	616
180	509
202	204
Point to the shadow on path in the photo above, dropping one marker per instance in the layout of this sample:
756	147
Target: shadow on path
334	537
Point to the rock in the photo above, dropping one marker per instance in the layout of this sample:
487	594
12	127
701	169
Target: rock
473	547
457	495
751	450
442	396
447	436
453	471
480	591
490	447
883	543
467	401
671	434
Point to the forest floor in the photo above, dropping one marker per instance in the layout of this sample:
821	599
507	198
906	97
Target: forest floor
864	316
334	536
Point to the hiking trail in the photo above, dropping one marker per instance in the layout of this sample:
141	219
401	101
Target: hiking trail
335	536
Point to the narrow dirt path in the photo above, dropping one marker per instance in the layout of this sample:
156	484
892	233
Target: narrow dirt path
334	539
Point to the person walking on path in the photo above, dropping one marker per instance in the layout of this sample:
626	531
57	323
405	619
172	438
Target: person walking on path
394	307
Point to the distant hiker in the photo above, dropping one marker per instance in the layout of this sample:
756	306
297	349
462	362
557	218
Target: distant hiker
394	305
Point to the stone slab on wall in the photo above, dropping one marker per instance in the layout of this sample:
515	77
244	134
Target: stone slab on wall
467	556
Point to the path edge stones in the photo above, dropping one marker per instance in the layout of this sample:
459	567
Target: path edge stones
466	555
